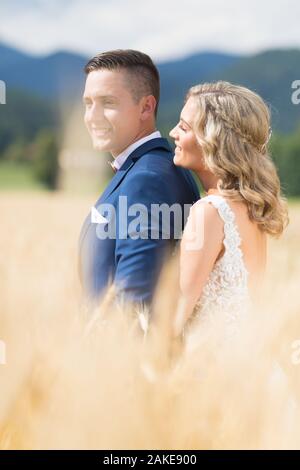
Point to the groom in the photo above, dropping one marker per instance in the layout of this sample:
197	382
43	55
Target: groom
121	99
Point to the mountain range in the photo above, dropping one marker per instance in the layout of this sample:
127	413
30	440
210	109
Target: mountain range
60	76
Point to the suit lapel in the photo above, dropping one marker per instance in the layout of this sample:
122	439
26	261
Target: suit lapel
129	163
122	172
116	180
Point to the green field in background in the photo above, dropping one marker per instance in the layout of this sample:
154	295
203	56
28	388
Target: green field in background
18	176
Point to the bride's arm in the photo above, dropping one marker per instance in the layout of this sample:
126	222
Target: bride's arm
201	244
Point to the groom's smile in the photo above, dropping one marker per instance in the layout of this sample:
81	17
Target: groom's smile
100	132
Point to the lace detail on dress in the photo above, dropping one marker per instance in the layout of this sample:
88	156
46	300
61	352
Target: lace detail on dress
225	296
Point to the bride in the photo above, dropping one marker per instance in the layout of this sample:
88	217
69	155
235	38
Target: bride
222	136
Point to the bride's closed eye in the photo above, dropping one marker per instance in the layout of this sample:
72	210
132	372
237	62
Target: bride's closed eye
181	126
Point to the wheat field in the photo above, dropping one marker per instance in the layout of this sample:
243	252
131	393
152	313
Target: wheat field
76	381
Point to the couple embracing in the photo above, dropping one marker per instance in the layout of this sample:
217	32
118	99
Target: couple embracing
222	137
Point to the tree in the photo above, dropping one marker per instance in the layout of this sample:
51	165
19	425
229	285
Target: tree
45	158
286	155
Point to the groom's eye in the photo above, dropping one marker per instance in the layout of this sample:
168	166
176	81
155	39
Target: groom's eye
109	102
87	102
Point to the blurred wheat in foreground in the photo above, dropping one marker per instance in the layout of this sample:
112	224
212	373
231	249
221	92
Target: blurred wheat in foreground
74	381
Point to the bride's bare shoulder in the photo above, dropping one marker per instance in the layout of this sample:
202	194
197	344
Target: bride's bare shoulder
202	208
205	217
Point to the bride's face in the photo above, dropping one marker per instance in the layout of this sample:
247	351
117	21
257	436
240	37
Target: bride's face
188	153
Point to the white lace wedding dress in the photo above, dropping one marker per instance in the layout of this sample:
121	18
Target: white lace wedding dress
225	297
222	308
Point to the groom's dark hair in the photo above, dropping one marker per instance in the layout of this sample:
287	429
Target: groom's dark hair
143	76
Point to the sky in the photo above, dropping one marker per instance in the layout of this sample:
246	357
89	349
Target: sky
165	29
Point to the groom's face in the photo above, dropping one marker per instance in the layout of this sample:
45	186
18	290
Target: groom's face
112	116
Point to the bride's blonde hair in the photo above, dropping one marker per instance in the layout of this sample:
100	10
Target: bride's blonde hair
232	126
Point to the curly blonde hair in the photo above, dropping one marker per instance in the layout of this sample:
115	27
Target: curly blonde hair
232	126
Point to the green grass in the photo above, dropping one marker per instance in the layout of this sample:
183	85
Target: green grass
295	200
18	176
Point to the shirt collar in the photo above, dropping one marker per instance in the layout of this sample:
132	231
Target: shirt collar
122	157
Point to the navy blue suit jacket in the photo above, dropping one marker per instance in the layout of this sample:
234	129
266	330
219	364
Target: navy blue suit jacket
132	254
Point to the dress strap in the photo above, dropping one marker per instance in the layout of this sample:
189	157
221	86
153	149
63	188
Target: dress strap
232	238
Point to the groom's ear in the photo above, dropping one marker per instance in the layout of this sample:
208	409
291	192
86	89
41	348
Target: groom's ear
148	106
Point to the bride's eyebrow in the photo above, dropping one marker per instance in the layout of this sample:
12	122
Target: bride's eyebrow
186	123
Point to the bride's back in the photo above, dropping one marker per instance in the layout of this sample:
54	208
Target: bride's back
253	243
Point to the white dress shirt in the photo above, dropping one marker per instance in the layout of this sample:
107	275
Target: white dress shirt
122	157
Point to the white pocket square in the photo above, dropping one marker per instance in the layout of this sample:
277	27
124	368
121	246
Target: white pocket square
97	218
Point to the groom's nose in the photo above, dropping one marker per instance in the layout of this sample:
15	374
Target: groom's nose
97	114
96	117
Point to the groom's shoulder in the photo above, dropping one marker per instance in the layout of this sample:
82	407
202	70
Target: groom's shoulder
158	160
158	163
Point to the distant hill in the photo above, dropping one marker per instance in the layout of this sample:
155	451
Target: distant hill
270	74
179	75
10	56
60	76
23	116
53	76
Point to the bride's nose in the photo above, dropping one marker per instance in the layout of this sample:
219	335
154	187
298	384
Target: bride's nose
173	133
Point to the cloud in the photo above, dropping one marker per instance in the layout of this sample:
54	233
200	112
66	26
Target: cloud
165	29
